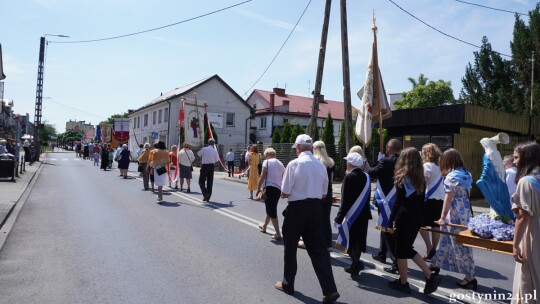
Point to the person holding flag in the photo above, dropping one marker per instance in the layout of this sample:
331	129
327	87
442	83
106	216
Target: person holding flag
354	213
384	197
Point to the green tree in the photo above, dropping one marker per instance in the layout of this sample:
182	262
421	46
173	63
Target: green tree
286	133
328	131
426	94
489	82
205	130
110	120
276	136
341	139
296	130
48	131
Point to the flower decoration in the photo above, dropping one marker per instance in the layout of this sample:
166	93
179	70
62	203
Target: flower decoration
488	228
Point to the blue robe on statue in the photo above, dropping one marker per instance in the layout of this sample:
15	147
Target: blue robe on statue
494	190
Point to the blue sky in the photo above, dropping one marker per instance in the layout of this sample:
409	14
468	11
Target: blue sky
91	81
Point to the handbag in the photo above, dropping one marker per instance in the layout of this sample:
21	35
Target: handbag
161	170
140	168
189	161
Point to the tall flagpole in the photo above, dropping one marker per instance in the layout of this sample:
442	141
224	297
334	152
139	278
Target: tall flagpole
376	92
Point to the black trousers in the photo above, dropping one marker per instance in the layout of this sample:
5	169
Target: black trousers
304	219
230	167
206	179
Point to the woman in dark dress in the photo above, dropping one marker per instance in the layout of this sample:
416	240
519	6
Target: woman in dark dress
124	159
406	218
104	157
353	187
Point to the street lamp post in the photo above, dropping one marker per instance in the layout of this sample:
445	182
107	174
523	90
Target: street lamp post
39	93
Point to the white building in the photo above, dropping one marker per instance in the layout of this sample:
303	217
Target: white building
228	112
274	109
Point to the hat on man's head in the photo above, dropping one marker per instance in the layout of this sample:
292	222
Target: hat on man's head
355	159
303	140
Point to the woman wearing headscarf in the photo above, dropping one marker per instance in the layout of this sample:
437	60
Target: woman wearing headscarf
124	158
104	157
160	160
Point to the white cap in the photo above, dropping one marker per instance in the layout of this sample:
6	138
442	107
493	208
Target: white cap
355	159
303	140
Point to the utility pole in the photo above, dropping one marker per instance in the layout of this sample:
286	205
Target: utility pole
39	93
532	95
346	76
39	98
312	128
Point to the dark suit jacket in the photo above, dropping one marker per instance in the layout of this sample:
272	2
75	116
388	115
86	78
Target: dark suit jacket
384	172
353	184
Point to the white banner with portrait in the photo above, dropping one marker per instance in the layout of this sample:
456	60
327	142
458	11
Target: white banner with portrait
193	124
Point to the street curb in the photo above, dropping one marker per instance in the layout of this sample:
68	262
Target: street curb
11	216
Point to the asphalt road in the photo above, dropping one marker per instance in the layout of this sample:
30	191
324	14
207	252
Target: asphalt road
89	236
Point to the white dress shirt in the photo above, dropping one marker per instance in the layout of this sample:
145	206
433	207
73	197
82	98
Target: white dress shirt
305	177
432	174
209	155
186	157
230	156
511	181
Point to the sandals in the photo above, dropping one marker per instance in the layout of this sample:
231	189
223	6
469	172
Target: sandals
277	237
263	229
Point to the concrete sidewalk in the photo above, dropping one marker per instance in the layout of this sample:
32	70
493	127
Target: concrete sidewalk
11	192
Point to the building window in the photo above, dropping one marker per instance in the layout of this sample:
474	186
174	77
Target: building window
159	116
262	123
145	120
154	116
138	122
166	115
285	120
230	120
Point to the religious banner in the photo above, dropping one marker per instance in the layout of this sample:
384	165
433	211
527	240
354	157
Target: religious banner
106	132
193	124
89	134
121	129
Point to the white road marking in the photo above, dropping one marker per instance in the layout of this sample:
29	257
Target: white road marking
337	255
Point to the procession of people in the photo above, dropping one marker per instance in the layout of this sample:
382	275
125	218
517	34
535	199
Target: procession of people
414	189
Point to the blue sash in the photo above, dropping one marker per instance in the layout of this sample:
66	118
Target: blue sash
533	181
342	241
385	204
432	190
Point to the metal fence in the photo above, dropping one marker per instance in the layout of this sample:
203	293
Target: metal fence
285	153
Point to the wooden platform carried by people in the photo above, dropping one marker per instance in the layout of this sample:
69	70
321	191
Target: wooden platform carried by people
467	238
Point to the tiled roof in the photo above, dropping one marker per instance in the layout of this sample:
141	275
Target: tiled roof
176	92
300	105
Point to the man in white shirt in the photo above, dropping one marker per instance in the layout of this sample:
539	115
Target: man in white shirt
230	162
209	157
510	177
304	184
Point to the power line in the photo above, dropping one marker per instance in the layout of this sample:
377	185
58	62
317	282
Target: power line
489	7
281	48
156	28
75	109
445	34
